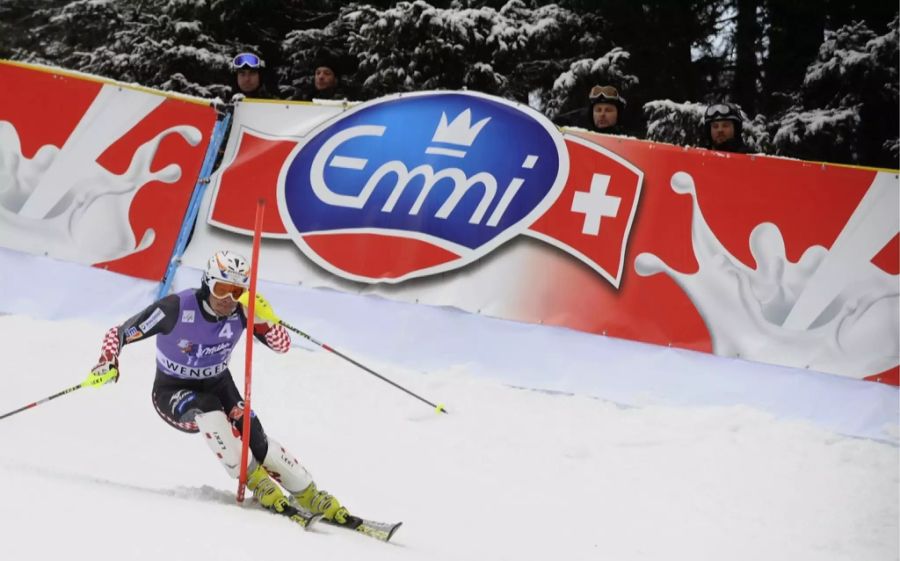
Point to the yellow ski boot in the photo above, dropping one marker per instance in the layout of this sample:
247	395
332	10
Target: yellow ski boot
321	502
270	495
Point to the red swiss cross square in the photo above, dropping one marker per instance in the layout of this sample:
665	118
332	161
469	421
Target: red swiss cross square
592	217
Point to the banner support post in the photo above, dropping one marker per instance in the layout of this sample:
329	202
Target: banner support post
190	216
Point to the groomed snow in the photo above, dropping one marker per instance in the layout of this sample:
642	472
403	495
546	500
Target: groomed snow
509	474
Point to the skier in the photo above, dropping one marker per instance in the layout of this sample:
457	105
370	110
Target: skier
196	331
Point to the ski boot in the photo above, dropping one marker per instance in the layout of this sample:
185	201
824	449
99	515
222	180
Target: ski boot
321	502
270	496
325	505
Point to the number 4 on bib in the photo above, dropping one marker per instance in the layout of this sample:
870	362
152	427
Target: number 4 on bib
226	331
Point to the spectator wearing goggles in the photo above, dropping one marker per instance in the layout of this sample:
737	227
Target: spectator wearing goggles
603	113
723	127
607	109
249	78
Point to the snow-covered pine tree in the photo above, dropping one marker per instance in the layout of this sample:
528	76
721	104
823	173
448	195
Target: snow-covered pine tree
847	108
675	123
416	46
123	41
570	89
177	45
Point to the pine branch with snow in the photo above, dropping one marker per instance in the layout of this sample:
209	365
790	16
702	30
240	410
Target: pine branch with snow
675	123
847	109
571	88
808	134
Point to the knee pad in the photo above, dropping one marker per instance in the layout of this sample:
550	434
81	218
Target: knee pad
285	468
180	408
221	439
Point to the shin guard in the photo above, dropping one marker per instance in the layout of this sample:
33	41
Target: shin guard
283	467
222	440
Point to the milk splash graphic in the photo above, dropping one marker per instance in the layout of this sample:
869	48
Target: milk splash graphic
62	203
850	308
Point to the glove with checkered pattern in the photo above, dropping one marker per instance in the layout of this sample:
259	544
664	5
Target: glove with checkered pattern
266	322
107	368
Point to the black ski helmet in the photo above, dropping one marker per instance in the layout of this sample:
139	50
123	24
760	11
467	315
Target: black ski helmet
723	112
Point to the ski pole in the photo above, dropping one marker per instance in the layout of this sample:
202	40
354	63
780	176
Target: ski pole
91	381
439	408
264	311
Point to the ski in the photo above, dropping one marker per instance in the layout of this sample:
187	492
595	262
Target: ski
299	515
383	531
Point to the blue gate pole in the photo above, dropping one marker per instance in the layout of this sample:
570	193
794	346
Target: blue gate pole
194	205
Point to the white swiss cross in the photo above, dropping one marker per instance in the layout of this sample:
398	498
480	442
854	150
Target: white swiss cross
595	204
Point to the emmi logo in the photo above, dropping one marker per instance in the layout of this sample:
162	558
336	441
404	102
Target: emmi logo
450	140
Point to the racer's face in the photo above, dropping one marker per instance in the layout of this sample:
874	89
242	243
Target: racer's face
222	306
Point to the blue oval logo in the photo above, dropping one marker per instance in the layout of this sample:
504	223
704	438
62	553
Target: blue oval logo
449	174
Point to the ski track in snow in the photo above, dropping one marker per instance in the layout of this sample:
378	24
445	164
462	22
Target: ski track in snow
509	474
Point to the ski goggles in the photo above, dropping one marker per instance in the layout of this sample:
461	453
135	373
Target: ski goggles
719	110
222	289
247	60
603	94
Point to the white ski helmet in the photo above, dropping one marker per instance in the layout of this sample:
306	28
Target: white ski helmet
227	266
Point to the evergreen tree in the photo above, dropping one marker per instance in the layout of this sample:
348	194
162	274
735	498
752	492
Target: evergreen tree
821	82
571	88
410	46
747	43
847	108
794	34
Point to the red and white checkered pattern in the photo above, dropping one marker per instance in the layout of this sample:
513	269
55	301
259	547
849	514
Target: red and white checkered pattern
109	351
278	339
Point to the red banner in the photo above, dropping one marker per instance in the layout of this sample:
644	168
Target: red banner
96	172
762	258
702	215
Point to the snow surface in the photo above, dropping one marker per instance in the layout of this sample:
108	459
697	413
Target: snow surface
508	474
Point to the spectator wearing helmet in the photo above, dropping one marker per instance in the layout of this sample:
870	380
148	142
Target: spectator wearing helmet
607	109
723	126
249	78
248	81
603	113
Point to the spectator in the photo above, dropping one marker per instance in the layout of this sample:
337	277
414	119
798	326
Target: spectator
326	80
604	112
607	109
249	80
723	126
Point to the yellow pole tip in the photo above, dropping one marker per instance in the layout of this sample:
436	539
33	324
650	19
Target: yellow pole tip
439	408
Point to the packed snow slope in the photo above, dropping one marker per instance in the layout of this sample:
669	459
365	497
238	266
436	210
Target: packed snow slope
509	474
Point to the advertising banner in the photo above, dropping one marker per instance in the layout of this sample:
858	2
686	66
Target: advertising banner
94	171
466	200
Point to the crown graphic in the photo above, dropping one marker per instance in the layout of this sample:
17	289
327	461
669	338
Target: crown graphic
459	131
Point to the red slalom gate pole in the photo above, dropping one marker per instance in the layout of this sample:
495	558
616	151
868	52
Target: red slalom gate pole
248	359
